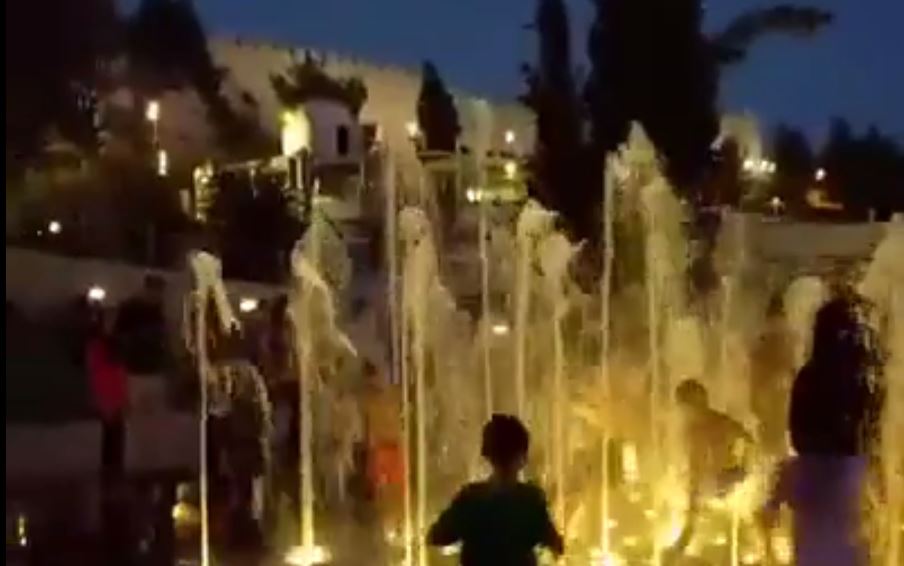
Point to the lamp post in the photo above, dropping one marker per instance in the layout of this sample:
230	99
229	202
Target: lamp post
152	115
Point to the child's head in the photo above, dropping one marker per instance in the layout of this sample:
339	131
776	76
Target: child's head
505	443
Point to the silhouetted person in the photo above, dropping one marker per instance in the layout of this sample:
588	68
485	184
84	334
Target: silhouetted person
499	521
109	391
834	408
141	328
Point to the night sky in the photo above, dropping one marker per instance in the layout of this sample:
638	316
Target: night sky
854	68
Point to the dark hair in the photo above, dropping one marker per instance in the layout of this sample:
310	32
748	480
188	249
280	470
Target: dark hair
692	392
840	340
505	441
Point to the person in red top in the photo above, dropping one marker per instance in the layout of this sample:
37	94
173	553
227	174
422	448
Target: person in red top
109	392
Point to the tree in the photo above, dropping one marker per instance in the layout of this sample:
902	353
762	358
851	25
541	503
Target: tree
794	167
732	44
253	225
56	59
865	173
167	49
306	80
436	113
664	72
659	72
559	168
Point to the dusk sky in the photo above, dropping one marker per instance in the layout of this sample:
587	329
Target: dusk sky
854	68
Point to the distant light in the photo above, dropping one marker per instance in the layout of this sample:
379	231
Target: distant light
820	174
771	167
162	163
748	164
412	128
54	227
500	329
152	111
776	204
450	550
630	541
97	294
649	513
248	304
511	169
472	195
720	540
509	137
306	555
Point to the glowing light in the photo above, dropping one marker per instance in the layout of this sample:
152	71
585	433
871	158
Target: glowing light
749	164
54	227
500	329
630	541
472	195
720	540
649	513
162	163
152	111
306	556
185	514
611	524
776	204
295	134
248	304
630	466
450	550
750	558
412	128
781	546
511	169
598	558
97	294
22	530
509	137
820	174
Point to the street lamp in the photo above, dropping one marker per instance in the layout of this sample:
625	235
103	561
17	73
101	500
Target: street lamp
152	115
820	174
162	163
776	204
509	137
54	227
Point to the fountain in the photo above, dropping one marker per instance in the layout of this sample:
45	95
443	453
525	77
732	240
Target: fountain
596	386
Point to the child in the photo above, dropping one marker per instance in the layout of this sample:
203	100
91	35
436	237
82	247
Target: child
501	520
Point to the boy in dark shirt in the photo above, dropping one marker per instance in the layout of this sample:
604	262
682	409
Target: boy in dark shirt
501	520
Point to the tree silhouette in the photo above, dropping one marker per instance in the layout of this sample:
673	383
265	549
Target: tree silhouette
306	80
167	49
436	113
664	72
794	167
253	224
559	166
863	172
56	60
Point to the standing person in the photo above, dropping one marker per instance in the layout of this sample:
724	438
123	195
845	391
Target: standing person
500	521
833	412
141	328
109	391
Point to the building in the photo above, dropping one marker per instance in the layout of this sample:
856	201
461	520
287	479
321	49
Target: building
387	115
